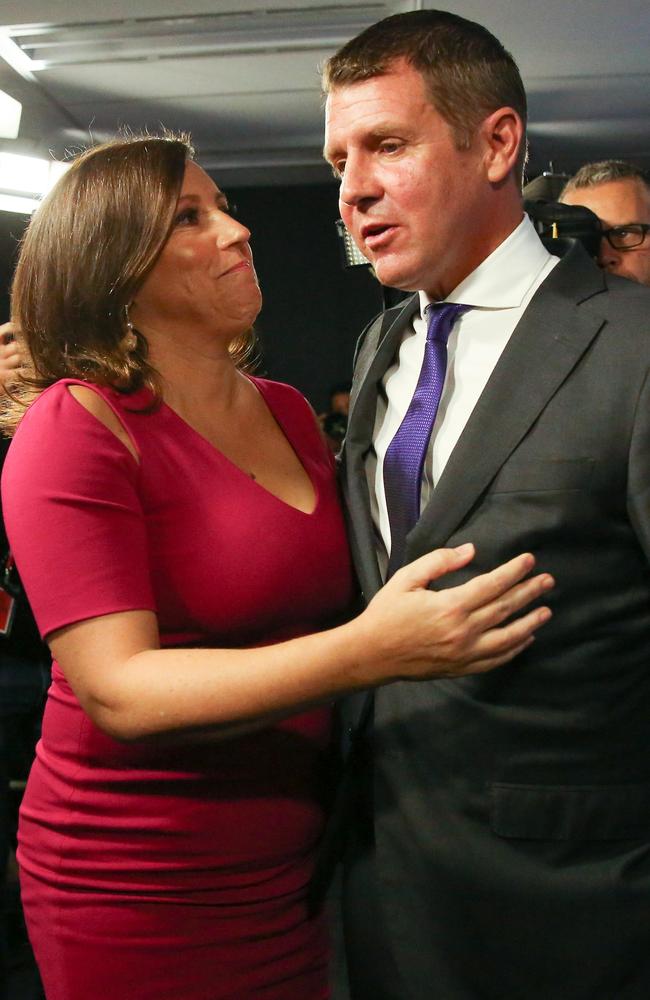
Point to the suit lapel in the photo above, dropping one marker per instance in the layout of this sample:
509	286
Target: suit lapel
375	356
557	328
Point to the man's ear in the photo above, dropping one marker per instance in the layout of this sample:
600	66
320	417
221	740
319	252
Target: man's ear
502	133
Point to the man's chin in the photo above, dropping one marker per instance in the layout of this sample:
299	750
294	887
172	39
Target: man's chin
394	277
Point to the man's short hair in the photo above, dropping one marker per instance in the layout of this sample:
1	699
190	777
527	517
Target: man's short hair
603	172
467	71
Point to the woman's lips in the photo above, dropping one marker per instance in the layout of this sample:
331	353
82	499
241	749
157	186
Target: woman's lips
241	265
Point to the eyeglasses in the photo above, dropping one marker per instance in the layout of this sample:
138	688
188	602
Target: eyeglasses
626	237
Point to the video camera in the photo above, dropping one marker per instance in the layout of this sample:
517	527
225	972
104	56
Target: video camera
556	221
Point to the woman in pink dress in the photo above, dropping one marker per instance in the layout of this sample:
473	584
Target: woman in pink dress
176	525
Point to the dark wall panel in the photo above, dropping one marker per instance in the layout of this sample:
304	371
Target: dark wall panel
313	308
11	230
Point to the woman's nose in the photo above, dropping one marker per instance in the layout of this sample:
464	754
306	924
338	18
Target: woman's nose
230	230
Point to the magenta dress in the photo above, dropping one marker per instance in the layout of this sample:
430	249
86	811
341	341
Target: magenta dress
153	873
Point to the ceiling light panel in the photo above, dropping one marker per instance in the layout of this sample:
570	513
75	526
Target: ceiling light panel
45	46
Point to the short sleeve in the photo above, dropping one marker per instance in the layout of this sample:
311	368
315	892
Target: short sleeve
73	515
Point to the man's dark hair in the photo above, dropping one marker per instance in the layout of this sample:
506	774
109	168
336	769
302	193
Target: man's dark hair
603	172
467	71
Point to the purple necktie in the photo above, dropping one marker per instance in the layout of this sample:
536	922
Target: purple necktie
404	457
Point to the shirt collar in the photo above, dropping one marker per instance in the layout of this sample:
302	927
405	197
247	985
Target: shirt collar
503	279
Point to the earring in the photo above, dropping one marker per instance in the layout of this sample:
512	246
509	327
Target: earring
130	340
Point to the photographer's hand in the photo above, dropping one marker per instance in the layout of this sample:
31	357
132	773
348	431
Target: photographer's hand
10	357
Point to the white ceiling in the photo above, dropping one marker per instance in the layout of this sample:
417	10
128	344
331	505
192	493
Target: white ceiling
242	77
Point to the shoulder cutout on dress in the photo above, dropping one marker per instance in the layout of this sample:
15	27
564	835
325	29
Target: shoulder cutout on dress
95	403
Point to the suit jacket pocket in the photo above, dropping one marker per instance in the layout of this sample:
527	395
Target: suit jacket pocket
519	476
570	812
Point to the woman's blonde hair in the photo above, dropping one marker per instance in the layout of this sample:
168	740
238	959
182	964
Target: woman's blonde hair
86	251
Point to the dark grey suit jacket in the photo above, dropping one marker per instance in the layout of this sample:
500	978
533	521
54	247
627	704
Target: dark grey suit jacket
511	811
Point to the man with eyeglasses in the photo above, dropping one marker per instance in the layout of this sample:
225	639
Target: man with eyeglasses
619	194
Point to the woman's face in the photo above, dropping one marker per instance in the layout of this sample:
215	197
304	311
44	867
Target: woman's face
204	280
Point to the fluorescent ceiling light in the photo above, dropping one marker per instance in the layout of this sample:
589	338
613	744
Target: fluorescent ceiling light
10	112
25	174
25	179
30	48
19	206
57	169
15	57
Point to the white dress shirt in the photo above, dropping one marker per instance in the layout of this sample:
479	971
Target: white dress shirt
499	291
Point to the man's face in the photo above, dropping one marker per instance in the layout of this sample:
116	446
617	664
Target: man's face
618	203
418	207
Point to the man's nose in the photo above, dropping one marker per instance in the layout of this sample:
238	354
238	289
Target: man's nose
358	182
607	255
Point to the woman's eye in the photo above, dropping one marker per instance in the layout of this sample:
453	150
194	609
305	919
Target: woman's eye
188	217
229	207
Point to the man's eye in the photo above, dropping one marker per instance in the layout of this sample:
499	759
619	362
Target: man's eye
339	168
188	217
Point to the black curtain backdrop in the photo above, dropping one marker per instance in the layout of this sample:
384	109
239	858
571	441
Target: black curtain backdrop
313	310
11	229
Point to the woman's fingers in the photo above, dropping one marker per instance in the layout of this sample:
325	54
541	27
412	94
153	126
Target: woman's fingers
513	600
499	645
490	598
484	589
476	593
456	630
418	574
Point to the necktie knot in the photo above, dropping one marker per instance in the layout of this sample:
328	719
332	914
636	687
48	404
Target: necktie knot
441	317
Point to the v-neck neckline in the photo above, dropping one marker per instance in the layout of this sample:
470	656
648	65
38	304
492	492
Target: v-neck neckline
246	475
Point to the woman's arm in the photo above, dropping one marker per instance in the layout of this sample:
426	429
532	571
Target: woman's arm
133	690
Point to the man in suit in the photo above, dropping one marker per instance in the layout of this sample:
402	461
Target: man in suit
501	843
619	194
